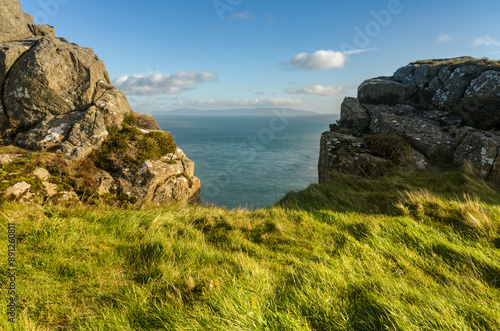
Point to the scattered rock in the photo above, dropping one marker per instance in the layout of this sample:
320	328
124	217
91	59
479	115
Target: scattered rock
18	189
42	173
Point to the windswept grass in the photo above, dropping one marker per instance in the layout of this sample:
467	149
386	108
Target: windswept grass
410	251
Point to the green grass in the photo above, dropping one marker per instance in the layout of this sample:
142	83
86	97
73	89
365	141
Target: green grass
455	63
409	251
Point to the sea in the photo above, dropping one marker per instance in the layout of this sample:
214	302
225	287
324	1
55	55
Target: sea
250	161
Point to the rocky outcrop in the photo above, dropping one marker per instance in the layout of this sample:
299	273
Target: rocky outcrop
57	97
446	110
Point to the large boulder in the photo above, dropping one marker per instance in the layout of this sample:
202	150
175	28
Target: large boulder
53	78
385	91
481	149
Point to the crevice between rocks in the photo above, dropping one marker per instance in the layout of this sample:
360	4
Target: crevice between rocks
493	163
7	74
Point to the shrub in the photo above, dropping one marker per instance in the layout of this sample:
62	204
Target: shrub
388	146
147	122
129	148
141	121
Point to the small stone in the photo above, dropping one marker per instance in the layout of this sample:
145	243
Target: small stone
18	189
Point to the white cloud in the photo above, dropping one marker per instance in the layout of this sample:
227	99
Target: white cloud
323	59
486	41
443	38
245	15
323	90
162	84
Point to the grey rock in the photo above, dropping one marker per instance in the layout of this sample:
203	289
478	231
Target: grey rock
42	30
162	181
385	91
453	88
112	103
10	52
18	189
405	75
353	116
421	76
432	141
480	106
444	74
346	154
86	135
105	182
481	149
42	173
13	22
53	78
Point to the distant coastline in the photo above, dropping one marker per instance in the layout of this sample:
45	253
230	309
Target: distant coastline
269	111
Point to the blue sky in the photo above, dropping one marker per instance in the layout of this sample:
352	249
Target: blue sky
222	54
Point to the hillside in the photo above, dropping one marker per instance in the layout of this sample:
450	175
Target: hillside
235	112
405	251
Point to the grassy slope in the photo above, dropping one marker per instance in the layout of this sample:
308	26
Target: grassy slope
356	254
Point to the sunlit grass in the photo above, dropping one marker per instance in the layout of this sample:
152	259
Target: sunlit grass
409	251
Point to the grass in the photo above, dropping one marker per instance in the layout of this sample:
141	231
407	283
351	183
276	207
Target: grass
464	61
408	251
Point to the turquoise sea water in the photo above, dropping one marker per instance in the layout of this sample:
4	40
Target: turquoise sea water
250	161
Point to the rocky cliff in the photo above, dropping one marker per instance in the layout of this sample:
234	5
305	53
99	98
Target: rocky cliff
56	98
428	112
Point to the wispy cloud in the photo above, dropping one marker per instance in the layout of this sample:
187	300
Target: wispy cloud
162	84
486	41
323	90
359	51
444	38
242	16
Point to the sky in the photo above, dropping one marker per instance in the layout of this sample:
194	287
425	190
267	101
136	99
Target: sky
224	54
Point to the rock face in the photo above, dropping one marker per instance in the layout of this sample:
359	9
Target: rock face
446	110
57	96
13	23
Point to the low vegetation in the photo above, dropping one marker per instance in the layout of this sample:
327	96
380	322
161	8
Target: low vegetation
388	146
413	250
129	147
455	63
